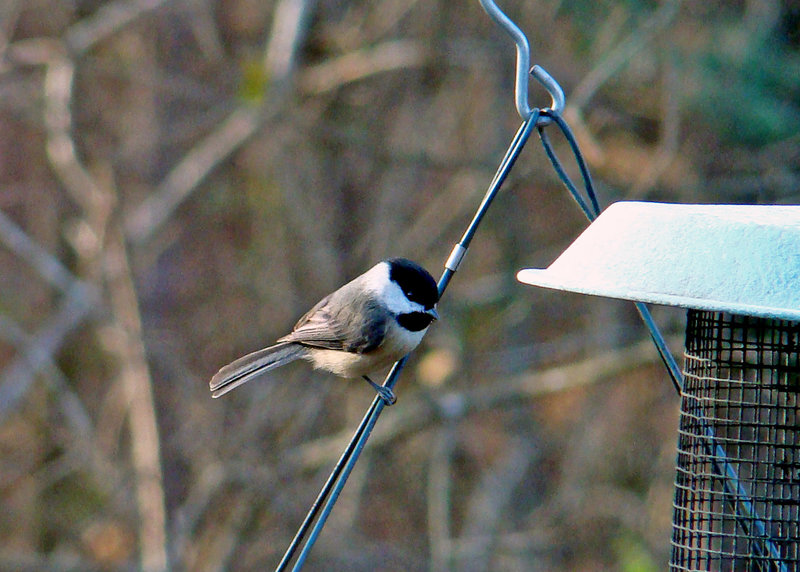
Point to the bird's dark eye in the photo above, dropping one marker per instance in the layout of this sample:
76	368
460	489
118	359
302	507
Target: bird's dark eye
414	281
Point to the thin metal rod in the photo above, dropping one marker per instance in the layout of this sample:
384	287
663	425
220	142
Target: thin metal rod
517	143
323	494
562	174
675	373
329	494
352	453
742	504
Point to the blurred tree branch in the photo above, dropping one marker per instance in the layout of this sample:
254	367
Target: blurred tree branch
359	64
610	64
20	373
421	413
136	381
148	217
440	498
160	214
247	120
97	201
108	20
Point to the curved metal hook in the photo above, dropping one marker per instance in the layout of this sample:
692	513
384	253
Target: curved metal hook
523	66
523	54
557	99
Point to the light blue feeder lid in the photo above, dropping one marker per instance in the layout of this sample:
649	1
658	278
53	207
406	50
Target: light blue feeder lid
731	258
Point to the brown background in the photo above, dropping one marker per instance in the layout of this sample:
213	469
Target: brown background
180	180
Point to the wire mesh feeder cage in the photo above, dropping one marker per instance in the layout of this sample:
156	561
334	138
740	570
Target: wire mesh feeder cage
737	489
737	268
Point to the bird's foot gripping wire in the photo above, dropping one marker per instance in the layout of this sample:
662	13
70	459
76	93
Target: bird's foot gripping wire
386	394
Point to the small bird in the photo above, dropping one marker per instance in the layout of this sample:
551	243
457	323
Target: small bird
366	325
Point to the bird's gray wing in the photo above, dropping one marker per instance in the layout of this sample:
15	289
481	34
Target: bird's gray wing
356	327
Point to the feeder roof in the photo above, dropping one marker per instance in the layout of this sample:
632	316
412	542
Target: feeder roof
743	259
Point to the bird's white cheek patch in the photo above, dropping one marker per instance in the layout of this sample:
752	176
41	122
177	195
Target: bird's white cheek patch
388	292
396	300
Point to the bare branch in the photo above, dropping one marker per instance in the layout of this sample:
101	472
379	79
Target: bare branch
73	408
107	21
619	56
245	121
18	376
490	501
195	166
354	66
60	145
137	384
421	413
124	338
288	28
439	500
45	264
669	142
288	25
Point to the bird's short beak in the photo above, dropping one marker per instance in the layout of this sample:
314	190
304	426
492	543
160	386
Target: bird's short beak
433	313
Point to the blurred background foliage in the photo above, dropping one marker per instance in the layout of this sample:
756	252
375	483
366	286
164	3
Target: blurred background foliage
181	179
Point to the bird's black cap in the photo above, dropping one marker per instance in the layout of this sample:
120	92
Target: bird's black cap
416	282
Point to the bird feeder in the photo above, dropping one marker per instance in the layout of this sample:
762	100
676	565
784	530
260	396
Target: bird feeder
737	271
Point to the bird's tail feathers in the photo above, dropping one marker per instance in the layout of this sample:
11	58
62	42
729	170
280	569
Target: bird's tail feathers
252	365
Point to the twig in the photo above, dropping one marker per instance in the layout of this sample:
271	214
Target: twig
137	384
109	19
288	27
44	263
18	376
58	84
440	213
289	24
189	513
184	178
605	69
74	411
418	413
669	142
439	506
490	501
245	121
619	56
354	66
221	542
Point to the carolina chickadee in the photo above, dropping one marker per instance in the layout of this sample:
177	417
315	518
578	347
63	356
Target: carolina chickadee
367	324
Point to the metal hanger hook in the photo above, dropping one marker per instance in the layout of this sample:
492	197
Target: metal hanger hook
557	99
524	64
